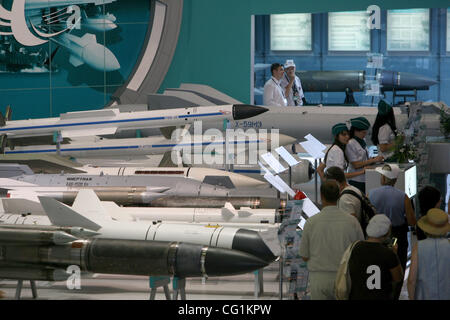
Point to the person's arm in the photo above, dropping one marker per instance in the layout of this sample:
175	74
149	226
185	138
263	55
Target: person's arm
410	216
361	164
320	170
349	175
288	88
412	277
304	242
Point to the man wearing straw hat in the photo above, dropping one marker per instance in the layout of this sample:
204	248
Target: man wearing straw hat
429	272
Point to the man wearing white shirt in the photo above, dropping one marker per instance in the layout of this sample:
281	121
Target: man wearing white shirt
273	92
292	85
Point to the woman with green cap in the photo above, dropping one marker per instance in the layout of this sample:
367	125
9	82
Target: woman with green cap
357	153
335	156
384	130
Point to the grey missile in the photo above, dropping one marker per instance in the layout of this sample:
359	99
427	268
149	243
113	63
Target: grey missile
80	233
31	272
136	257
342	80
35	236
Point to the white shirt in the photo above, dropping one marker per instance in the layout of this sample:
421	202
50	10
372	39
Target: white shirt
355	152
290	98
336	158
349	203
274	94
385	136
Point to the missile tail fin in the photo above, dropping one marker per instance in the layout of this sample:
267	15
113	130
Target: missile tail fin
228	211
88	204
63	216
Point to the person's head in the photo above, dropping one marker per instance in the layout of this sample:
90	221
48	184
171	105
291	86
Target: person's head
277	70
340	133
429	197
379	227
289	66
359	127
336	173
435	223
385	115
389	174
329	193
341	137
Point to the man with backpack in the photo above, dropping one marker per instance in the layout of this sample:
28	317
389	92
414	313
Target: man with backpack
374	268
325	237
351	199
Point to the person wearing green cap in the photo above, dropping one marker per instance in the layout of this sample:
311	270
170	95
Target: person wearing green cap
384	130
335	156
357	153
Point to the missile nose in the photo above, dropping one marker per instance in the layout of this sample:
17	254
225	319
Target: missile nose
226	262
251	242
111	62
244	111
284	140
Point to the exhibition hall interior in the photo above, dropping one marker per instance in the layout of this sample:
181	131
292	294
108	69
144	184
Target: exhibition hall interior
224	150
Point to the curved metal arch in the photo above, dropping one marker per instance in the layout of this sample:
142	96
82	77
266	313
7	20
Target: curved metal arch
156	55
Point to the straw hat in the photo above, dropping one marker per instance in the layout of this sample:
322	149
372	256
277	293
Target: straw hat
435	222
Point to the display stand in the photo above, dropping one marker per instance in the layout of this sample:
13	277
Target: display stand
259	283
19	289
155	283
292	267
179	287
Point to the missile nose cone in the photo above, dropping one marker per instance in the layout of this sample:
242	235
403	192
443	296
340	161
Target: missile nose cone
284	140
111	62
225	262
251	242
244	111
62	237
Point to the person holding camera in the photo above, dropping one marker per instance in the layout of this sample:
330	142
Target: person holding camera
292	85
374	267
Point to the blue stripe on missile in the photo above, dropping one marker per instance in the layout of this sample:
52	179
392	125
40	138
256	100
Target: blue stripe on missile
122	147
109	121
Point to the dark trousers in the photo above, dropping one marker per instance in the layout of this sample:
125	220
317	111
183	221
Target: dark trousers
360	185
401	233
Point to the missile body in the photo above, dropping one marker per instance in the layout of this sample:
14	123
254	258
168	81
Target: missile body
34	236
148	258
87	148
219	236
342	80
108	121
87	50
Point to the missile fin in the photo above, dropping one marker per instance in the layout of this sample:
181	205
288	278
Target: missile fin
88	38
75	61
89	205
228	211
63	216
244	213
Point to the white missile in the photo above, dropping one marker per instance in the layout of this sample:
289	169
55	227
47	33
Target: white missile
87	50
85	148
88	212
226	215
109	121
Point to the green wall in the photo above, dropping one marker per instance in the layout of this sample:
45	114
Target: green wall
214	42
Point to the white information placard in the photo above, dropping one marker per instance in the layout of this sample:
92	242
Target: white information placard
290	32
408	30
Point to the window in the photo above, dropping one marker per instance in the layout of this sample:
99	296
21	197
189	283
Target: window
408	30
290	32
348	31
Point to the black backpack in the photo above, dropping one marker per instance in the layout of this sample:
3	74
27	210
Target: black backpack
367	208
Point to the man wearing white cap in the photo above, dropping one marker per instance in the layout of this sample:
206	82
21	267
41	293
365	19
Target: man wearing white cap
373	266
292	85
395	204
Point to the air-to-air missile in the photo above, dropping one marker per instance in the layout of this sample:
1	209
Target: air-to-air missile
342	80
89	149
121	256
87	50
134	190
88	212
109	121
